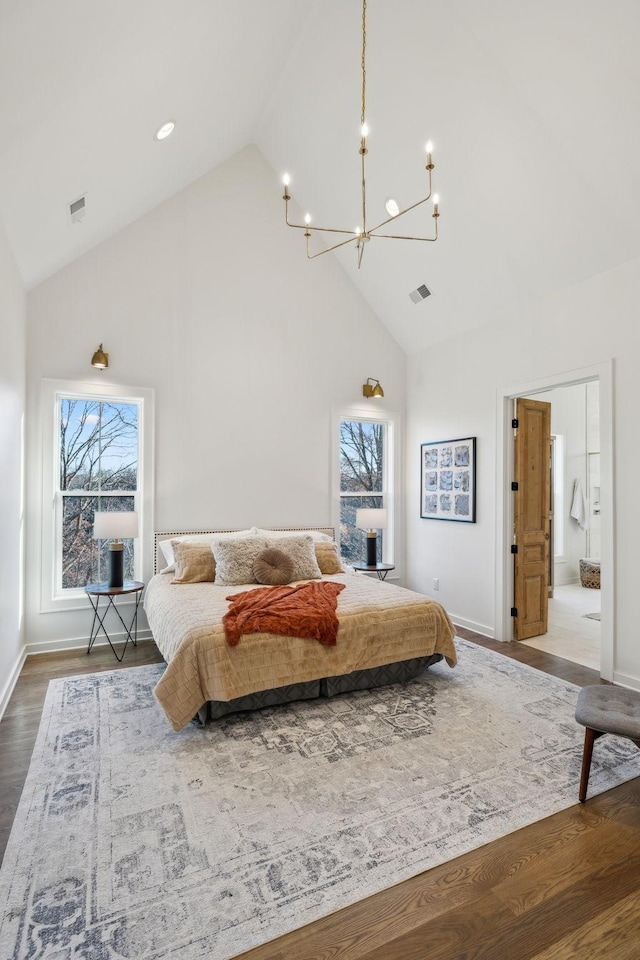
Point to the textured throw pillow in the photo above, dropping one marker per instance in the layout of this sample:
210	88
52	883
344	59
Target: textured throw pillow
328	557
273	567
277	534
234	558
166	546
194	562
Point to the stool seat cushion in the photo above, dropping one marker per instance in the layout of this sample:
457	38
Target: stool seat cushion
610	709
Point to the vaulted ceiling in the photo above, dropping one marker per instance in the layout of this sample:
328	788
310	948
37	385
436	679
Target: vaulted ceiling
533	110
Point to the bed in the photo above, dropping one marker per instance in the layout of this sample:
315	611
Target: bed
386	634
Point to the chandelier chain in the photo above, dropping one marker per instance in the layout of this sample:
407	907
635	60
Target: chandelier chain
364	67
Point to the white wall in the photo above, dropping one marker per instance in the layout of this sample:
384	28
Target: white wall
12	375
452	391
210	300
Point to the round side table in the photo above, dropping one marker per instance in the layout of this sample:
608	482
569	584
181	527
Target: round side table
97	590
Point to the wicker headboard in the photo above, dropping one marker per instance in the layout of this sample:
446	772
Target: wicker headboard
158	559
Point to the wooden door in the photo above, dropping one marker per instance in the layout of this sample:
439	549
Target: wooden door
532	501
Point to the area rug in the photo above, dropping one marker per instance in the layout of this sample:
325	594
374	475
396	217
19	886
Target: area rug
132	841
592	616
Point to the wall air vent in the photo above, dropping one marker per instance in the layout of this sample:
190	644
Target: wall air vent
420	294
77	209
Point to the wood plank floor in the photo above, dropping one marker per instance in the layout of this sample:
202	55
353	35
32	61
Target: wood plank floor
566	887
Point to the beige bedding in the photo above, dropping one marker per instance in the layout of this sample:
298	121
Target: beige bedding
379	623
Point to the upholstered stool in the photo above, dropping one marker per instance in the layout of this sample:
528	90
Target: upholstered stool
606	709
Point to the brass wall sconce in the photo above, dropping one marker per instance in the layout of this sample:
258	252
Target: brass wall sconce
100	359
369	390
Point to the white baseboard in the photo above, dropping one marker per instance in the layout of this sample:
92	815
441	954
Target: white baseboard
5	694
80	643
632	682
566	581
472	625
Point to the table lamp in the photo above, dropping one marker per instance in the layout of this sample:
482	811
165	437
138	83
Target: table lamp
116	525
371	520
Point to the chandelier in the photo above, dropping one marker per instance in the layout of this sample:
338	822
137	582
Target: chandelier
362	234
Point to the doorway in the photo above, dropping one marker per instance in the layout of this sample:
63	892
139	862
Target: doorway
573	623
601	497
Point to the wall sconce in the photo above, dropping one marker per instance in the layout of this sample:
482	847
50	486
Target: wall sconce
368	390
100	359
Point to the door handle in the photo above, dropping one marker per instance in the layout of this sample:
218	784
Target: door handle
546	536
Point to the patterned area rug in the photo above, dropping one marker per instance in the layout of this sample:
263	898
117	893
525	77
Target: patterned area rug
133	841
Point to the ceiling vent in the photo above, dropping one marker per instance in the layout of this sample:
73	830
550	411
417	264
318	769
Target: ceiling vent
77	209
421	293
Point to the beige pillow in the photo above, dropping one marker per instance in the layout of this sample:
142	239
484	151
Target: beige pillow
273	567
328	557
194	562
166	546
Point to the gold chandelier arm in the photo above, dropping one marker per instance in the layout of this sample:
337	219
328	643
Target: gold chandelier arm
400	236
406	210
306	226
320	253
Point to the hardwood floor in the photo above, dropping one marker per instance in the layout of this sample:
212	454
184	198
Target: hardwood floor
566	887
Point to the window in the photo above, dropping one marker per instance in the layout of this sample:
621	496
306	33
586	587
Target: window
364	482
98	456
99	459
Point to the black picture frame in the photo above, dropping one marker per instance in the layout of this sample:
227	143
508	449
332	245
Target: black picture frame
448	480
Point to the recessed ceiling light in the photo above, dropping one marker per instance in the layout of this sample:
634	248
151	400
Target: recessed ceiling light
165	130
392	207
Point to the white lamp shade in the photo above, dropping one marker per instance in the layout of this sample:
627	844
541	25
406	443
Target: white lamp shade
115	525
371	518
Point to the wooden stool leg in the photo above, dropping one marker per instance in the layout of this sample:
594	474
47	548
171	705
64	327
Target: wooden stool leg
590	736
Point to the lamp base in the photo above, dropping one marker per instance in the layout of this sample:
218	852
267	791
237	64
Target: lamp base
372	549
116	565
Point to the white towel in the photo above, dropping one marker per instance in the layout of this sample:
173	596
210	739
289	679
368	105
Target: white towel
579	506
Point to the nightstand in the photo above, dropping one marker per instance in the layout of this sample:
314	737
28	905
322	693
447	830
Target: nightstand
382	569
97	590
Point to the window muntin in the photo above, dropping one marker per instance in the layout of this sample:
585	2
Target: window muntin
364	482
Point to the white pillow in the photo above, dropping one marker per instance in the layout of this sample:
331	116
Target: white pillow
276	534
235	558
167	549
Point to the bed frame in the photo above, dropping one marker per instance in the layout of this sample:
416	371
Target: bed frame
389	673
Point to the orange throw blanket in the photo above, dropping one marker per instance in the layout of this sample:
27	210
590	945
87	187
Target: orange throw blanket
307	610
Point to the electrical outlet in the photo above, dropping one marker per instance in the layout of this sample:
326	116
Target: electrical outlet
436	583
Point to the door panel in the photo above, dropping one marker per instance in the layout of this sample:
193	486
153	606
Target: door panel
531	517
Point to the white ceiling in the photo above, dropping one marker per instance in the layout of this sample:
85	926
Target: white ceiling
533	110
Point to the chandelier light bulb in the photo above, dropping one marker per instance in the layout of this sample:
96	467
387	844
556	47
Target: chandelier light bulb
392	207
357	231
165	130
364	129
429	146
436	199
307	218
286	179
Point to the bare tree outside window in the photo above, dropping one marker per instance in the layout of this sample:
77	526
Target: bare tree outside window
98	446
362	448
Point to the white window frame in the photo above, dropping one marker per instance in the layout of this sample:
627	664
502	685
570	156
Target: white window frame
52	596
391	478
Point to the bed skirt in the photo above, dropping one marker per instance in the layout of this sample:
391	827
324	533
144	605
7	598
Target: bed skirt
382	676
